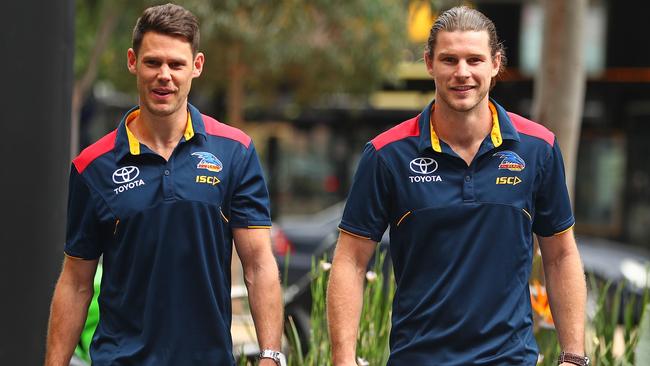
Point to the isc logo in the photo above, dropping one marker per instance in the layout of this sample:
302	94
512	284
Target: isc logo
206	179
508	180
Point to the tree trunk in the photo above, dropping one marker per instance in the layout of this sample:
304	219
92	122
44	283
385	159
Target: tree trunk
560	83
235	89
84	84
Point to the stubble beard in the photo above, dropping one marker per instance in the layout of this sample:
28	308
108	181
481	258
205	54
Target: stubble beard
461	105
162	109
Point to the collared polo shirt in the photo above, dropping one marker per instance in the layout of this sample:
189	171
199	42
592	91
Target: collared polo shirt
461	236
165	231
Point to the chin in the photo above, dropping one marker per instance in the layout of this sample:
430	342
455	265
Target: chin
160	110
462	106
465	105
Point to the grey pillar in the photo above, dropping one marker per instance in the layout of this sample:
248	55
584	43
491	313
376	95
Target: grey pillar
37	40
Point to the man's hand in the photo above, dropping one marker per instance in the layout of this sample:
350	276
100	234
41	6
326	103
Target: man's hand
267	362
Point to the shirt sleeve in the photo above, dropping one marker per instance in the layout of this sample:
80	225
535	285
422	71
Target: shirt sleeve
250	201
367	208
83	230
553	212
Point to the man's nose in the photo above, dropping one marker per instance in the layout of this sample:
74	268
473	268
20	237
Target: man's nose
462	69
164	73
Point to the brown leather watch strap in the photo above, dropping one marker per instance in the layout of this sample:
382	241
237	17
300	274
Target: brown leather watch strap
573	358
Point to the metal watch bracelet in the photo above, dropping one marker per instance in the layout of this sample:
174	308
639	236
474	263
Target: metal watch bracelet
276	356
573	358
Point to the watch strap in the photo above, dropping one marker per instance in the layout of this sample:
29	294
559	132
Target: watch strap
276	356
572	358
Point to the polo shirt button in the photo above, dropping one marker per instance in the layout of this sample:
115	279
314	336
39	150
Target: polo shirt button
467	178
166	171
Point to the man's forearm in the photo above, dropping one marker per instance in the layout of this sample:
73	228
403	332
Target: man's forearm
265	298
344	304
67	318
567	294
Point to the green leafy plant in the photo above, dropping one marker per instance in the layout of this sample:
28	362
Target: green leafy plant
614	336
374	325
642	351
612	332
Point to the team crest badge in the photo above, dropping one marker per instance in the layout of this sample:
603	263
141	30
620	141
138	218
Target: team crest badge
511	161
208	161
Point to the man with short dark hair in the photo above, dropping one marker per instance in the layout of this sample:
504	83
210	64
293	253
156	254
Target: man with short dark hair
463	186
162	198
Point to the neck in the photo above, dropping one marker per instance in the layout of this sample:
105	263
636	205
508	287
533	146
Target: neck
160	133
462	128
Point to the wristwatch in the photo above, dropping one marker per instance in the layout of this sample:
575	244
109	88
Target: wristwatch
573	359
276	356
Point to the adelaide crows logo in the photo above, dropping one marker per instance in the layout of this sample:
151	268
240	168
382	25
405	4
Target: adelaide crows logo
511	161
208	161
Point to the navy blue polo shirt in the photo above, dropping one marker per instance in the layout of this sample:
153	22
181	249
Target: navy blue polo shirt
461	236
165	231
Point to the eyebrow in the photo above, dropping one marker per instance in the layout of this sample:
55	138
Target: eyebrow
160	58
447	54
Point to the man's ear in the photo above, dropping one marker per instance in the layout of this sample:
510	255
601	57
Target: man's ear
496	64
131	60
429	62
199	60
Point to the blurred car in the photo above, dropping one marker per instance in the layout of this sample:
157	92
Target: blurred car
618	264
615	262
296	239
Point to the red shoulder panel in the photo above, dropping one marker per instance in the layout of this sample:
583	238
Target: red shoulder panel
216	128
403	130
92	152
528	127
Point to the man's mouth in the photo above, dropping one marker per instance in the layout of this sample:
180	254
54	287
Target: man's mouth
462	87
162	92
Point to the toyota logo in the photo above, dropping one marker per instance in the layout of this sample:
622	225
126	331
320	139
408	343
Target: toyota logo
423	165
125	175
